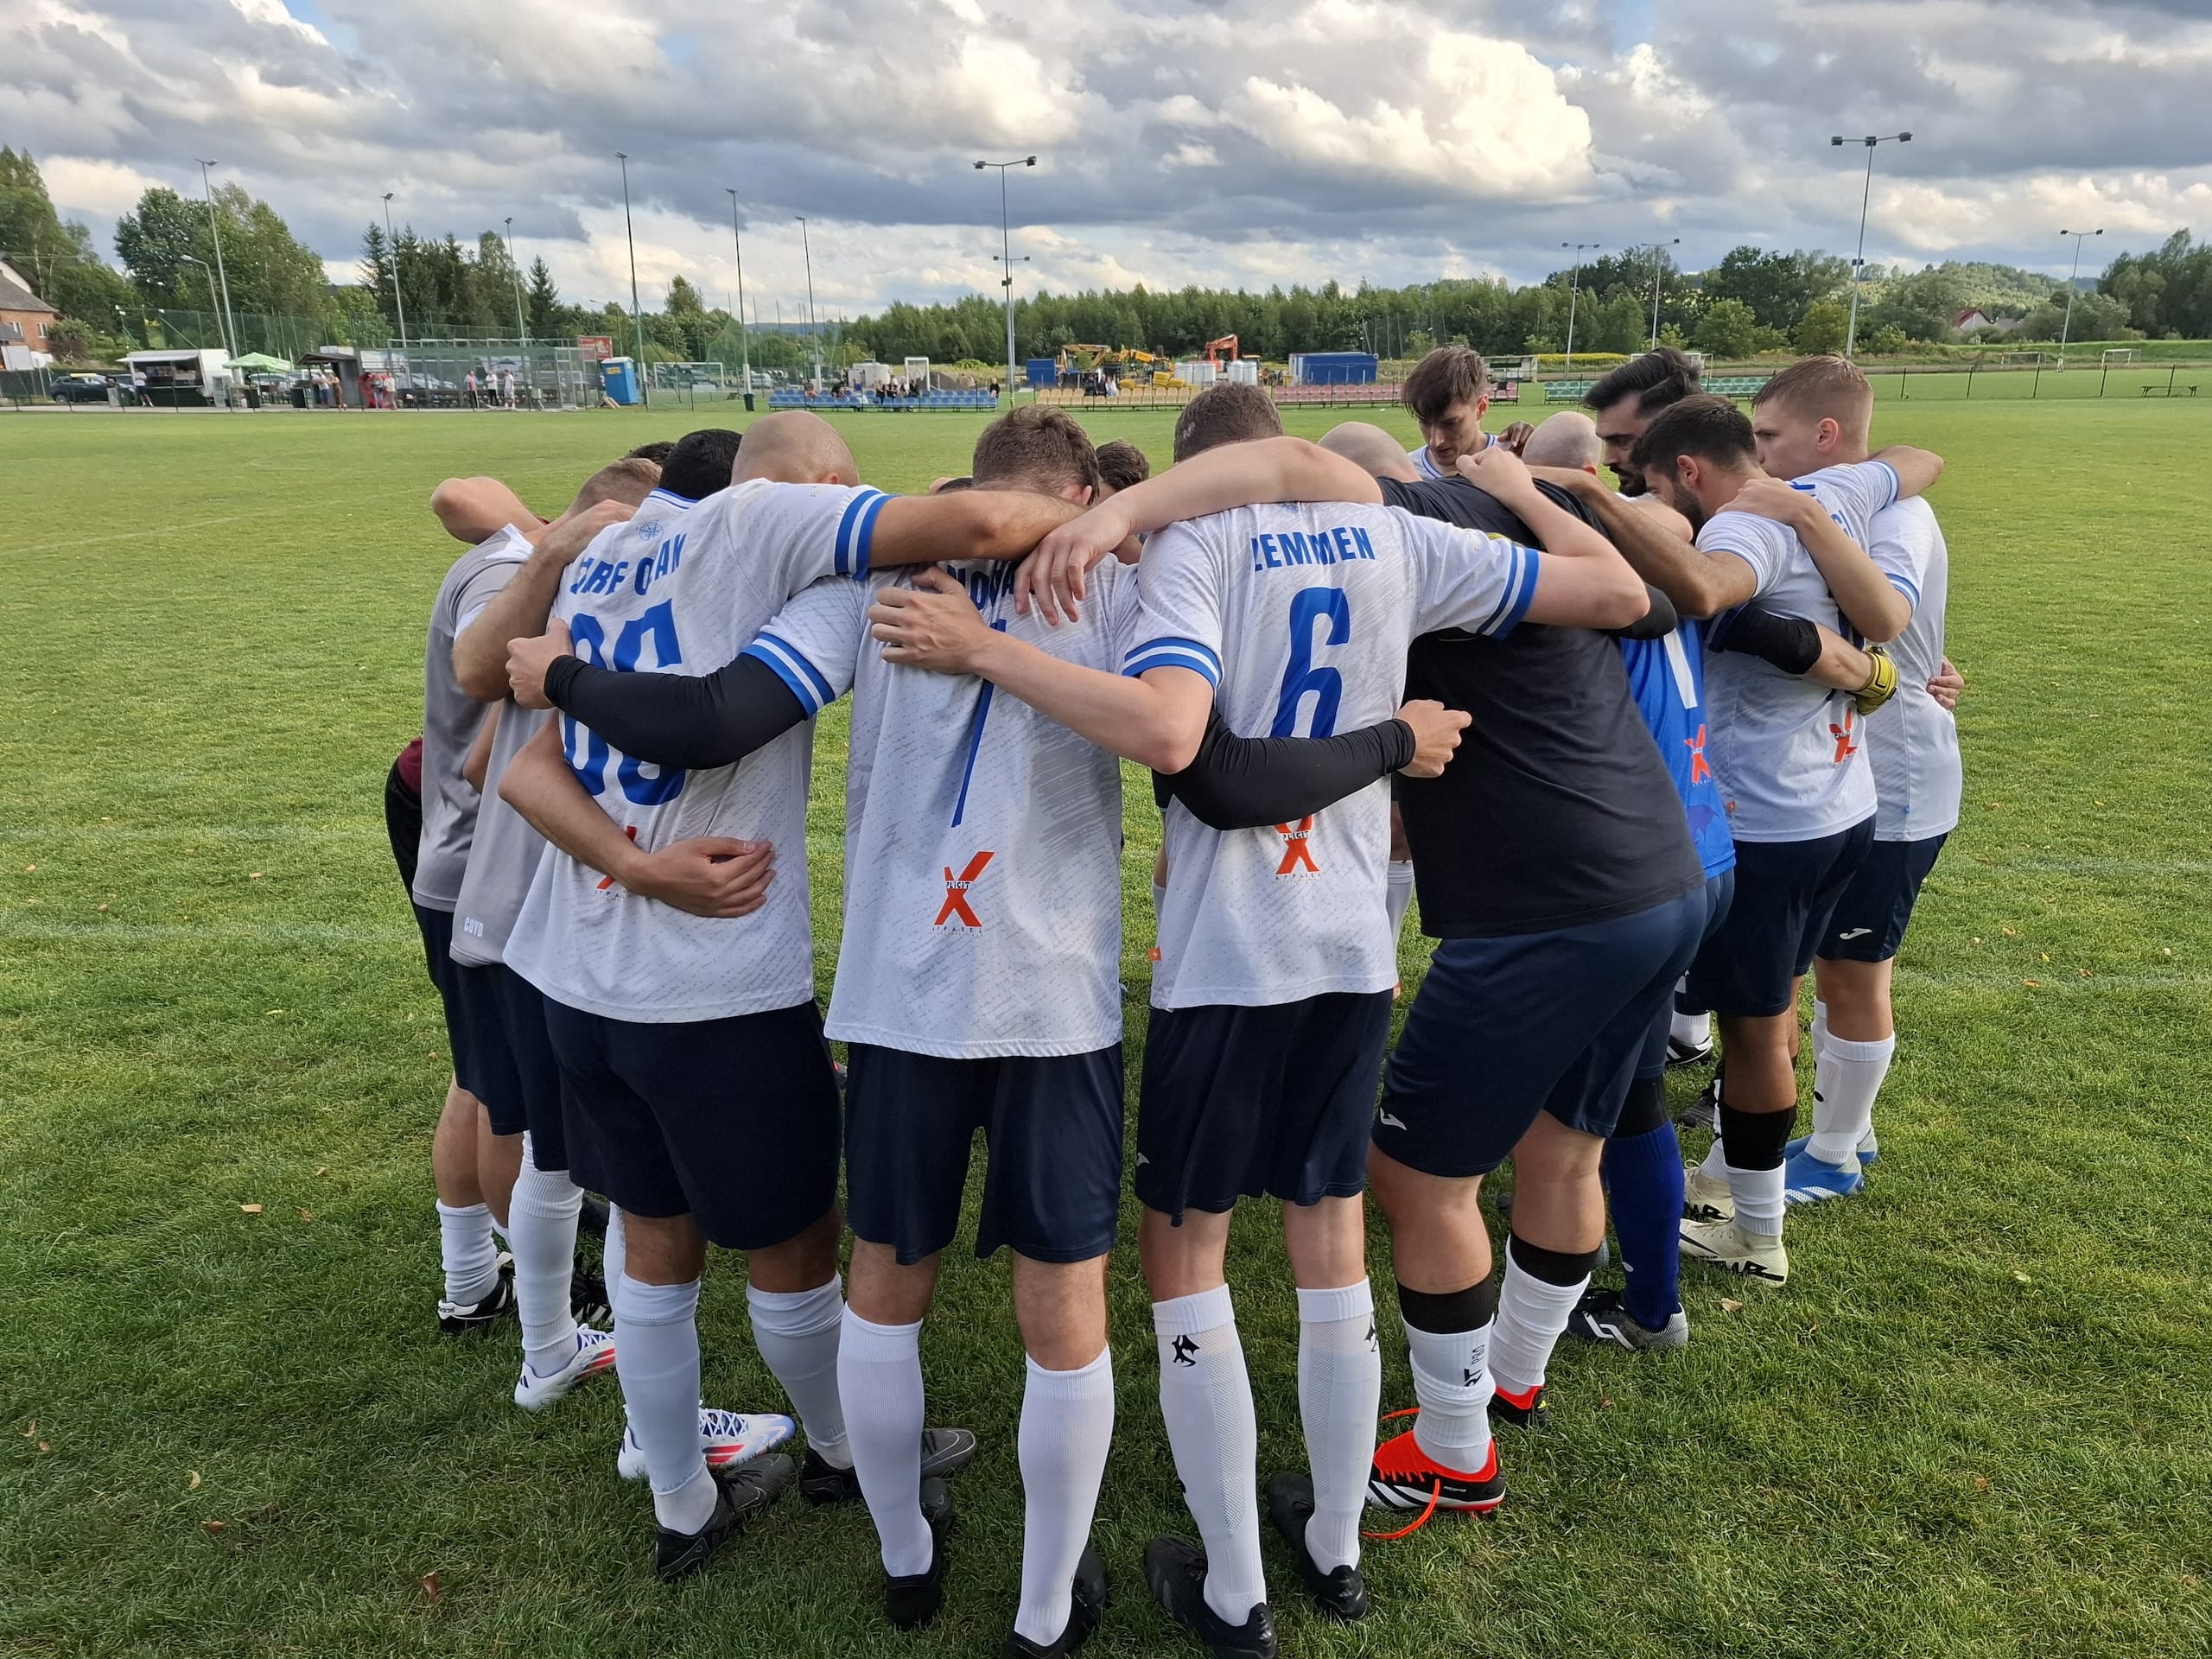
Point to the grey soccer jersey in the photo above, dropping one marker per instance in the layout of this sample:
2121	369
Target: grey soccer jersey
503	858
1788	754
1912	741
679	590
1298	616
982	840
451	717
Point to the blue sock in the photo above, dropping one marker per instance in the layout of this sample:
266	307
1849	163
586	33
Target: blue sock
1643	1178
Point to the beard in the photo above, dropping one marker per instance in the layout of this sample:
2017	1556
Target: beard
1693	509
1631	480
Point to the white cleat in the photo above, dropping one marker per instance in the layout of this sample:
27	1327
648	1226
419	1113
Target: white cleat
727	1439
595	1352
1706	1198
1757	1256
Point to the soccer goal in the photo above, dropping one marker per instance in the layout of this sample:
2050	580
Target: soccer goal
2116	357
689	377
2020	359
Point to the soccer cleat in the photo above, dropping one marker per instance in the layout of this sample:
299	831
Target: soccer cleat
913	1600
1340	1592
588	1303
1176	1571
944	1450
1679	1054
1758	1256
1601	1316
1404	1477
1086	1602
1527	1410
1707	1198
594	1353
1870	1149
1704	1112
740	1494
727	1438
1808	1179
456	1318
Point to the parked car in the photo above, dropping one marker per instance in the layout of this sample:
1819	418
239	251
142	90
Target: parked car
80	388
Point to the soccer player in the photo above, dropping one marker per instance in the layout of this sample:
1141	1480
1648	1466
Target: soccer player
1813	415
1789	760
1448	394
1626	399
1272	990
690	1045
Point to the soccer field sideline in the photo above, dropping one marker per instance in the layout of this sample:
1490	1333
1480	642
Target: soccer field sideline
1988	1370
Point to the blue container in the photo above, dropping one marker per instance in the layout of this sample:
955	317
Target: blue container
1333	368
619	376
1042	371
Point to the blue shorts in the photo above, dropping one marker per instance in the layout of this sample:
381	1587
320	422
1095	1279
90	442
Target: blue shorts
511	1067
1504	1028
1784	891
731	1121
1052	1125
1239	1102
1720	894
1868	921
436	929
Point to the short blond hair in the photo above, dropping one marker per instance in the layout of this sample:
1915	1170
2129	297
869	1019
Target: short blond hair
1822	388
630	479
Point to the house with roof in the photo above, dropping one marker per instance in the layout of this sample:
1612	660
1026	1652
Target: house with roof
26	322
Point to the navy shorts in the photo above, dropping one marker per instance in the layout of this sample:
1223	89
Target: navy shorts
436	928
1720	894
1053	1127
1868	921
731	1121
1504	1028
512	1069
1784	891
1239	1102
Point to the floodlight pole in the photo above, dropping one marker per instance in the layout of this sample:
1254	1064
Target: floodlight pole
744	353
399	301
636	313
1006	260
1865	197
230	323
521	329
1573	293
813	330
2066	328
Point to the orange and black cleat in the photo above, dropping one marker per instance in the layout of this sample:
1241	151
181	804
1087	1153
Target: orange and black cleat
1405	1478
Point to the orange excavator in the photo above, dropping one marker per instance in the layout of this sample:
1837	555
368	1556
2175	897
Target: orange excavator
1215	347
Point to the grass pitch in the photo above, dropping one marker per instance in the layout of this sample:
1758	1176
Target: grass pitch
1976	1423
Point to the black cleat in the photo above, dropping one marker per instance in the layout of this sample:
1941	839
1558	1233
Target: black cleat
591	1220
1341	1592
457	1318
1088	1600
587	1302
1530	1410
913	1601
1176	1572
740	1494
1704	1112
1679	1054
945	1451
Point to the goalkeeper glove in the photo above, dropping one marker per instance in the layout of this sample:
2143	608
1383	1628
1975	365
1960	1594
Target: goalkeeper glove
1881	684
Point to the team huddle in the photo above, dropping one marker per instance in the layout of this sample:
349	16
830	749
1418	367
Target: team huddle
1640	752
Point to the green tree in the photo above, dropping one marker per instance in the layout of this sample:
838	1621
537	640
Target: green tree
1821	330
157	240
58	255
544	302
1777	287
2168	293
1728	329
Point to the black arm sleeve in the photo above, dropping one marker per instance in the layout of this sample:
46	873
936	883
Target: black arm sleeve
676	720
1657	623
1790	642
1244	782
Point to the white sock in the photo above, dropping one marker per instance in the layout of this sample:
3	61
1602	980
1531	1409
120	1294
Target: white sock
1339	1394
880	1377
1067	1424
1820	1026
613	1249
1399	891
796	1333
1452	1386
1206	1399
657	1359
1531	1319
542	1217
1715	1166
1692	1030
472	1264
1757	1193
1843	1107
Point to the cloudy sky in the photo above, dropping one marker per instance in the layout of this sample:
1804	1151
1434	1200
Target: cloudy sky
1245	141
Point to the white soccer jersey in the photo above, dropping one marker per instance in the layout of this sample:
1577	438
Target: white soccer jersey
1912	740
680	589
1300	616
982	840
1789	755
1424	464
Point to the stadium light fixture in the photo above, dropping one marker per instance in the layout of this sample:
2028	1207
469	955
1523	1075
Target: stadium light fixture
399	302
1006	260
637	312
230	323
1866	196
1573	293
813	328
744	353
2066	328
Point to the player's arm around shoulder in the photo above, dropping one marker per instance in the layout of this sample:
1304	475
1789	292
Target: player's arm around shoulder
521	607
1582	582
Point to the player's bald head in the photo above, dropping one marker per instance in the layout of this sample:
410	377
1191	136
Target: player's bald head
1566	439
795	446
1369	447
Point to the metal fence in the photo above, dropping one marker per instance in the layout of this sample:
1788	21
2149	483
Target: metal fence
434	374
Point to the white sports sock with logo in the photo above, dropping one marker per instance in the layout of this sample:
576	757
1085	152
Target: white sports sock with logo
1339	1394
1531	1319
1843	1105
1452	1386
657	1360
1067	1424
472	1264
1398	875
880	1377
1206	1398
542	1218
796	1333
